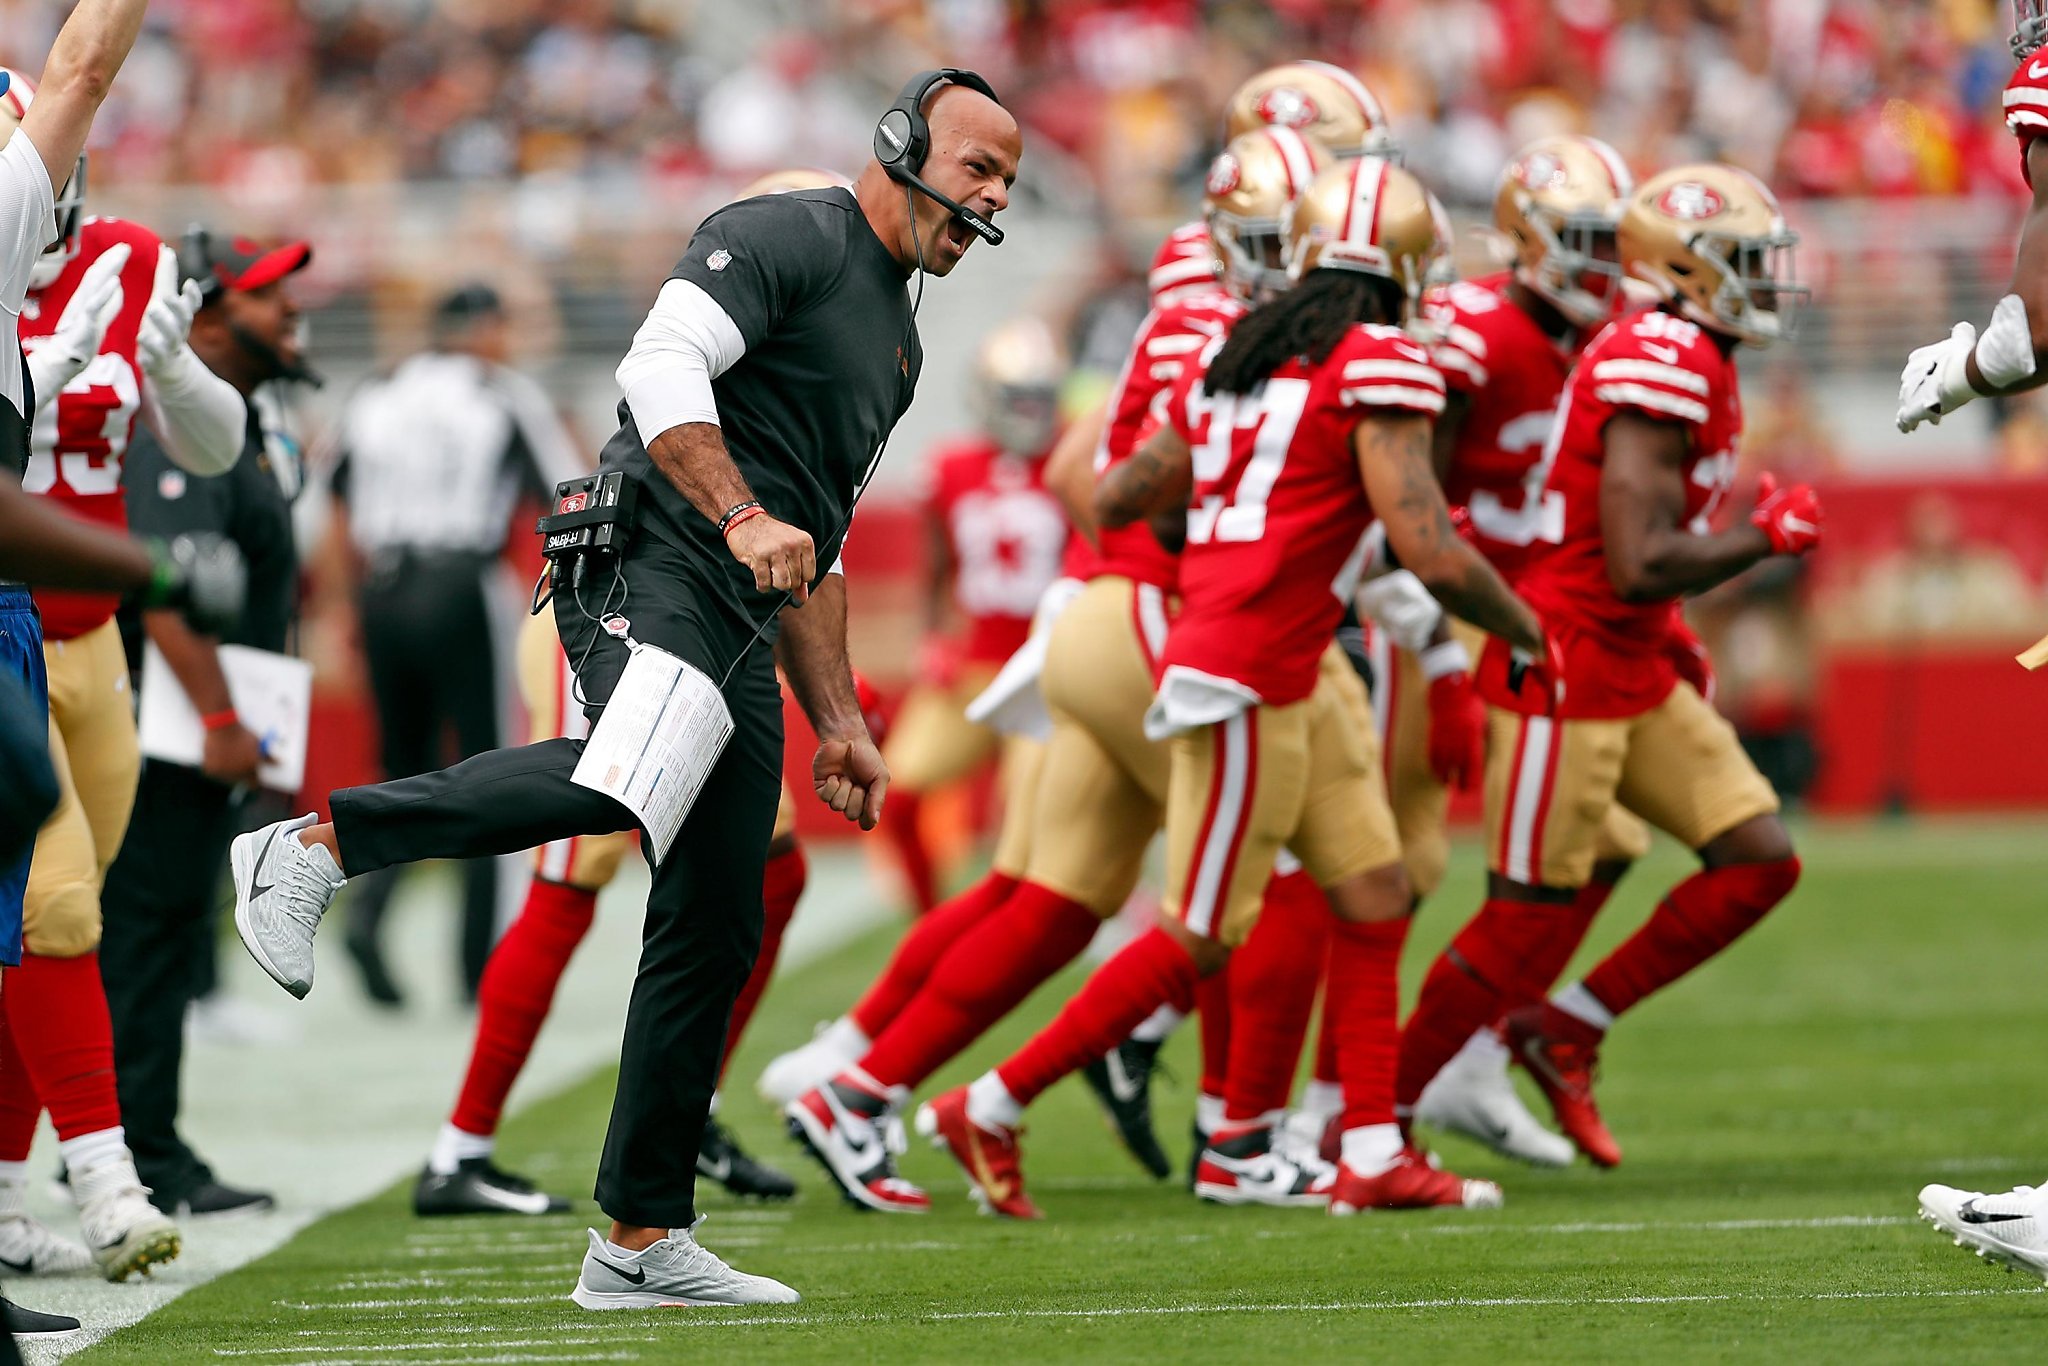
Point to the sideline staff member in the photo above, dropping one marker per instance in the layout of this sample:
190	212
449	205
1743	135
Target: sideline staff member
773	366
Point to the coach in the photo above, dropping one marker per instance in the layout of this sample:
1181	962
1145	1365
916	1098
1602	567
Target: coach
762	386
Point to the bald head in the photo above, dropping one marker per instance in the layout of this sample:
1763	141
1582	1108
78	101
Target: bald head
975	147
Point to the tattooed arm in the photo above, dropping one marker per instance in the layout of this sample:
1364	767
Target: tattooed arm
1651	555
1154	480
1394	459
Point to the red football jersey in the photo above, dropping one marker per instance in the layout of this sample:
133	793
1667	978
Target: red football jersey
2026	105
1186	261
1278	513
1168	343
1657	365
1007	535
77	443
1514	374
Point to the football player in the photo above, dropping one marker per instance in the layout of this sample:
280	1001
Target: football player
1311	419
1102	784
997	537
104	328
526	966
1505	346
1639	465
2009	1228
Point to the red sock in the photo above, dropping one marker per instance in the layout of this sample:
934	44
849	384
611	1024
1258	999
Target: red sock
1273	981
1325	1069
926	943
58	1012
1364	1002
512	1000
982	978
904	831
1700	917
20	1106
782	883
1151	971
1545	960
1213	1005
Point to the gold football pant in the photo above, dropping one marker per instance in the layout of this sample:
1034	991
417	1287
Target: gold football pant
94	750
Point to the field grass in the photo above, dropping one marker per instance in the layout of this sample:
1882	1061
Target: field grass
1779	1112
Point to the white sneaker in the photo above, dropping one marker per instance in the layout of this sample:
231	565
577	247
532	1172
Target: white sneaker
678	1270
804	1069
127	1234
2010	1228
1260	1165
282	888
29	1247
1473	1096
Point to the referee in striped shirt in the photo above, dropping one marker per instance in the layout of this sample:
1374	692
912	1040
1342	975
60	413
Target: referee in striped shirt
433	458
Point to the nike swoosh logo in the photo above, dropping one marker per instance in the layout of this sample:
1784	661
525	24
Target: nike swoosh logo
261	889
717	1171
1800	524
19	1268
629	1277
1667	354
1122	1084
1532	1054
1969	1212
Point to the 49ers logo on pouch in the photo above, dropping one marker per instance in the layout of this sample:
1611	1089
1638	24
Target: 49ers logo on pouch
1224	175
575	502
1288	106
1691	201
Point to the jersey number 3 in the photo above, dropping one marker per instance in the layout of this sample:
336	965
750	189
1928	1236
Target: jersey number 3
81	438
1228	508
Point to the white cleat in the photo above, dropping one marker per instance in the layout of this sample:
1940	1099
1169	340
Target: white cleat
678	1270
282	888
2010	1229
805	1069
127	1234
1264	1165
29	1247
1473	1096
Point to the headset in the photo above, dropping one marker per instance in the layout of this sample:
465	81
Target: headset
903	139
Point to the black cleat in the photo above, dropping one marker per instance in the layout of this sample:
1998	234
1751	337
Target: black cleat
477	1187
1198	1138
33	1323
1122	1082
210	1199
368	952
720	1158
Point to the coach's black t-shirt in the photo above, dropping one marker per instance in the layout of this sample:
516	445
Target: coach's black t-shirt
832	360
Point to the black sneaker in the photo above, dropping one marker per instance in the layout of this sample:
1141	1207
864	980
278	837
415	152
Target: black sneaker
1122	1082
1199	1137
720	1158
210	1199
33	1323
477	1187
378	983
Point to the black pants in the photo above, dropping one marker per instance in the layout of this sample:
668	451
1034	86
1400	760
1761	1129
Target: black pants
157	909
427	635
703	924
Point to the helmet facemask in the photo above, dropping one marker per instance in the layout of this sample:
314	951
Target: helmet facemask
1254	253
1021	418
2030	27
1580	272
1759	298
70	212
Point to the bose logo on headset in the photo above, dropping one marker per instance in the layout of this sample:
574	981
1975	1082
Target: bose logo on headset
903	139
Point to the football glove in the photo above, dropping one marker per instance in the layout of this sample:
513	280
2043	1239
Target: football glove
1457	731
1936	380
1789	515
1538	680
81	328
1688	655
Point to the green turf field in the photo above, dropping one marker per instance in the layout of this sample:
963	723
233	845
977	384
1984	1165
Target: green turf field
1779	1112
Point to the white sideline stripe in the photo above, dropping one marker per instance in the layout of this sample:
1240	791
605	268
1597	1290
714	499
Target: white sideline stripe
1349	1307
502	1359
423	1346
421	1301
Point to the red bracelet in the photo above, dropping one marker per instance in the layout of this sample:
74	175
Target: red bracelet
741	516
220	720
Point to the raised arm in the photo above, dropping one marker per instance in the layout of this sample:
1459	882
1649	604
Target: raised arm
847	772
1070	469
80	70
1395	460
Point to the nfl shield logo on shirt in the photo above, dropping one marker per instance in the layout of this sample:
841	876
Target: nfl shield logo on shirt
718	260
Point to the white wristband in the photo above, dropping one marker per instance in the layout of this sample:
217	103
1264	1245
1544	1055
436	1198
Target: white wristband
2005	348
1442	660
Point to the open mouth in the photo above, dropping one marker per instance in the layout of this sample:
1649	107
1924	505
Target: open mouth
958	235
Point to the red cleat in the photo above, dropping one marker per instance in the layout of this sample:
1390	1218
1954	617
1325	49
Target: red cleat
1562	1053
1413	1182
990	1157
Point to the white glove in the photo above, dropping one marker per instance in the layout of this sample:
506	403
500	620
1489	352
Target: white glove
1400	604
169	316
1936	381
82	328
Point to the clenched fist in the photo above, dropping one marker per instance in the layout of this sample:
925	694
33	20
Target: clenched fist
781	557
850	777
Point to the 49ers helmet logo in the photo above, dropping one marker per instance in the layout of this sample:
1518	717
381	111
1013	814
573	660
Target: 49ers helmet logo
1224	175
1691	201
1288	106
1539	171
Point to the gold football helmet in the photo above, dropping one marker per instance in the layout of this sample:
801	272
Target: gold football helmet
795	178
1017	373
2030	27
1559	204
1369	216
1327	102
1251	183
17	92
1713	239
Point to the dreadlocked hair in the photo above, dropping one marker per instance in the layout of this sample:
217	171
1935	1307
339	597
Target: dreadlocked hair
1307	321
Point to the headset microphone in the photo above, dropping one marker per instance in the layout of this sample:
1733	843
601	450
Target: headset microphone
982	228
903	139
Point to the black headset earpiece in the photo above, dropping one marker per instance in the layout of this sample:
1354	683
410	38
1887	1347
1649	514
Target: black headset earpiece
903	139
